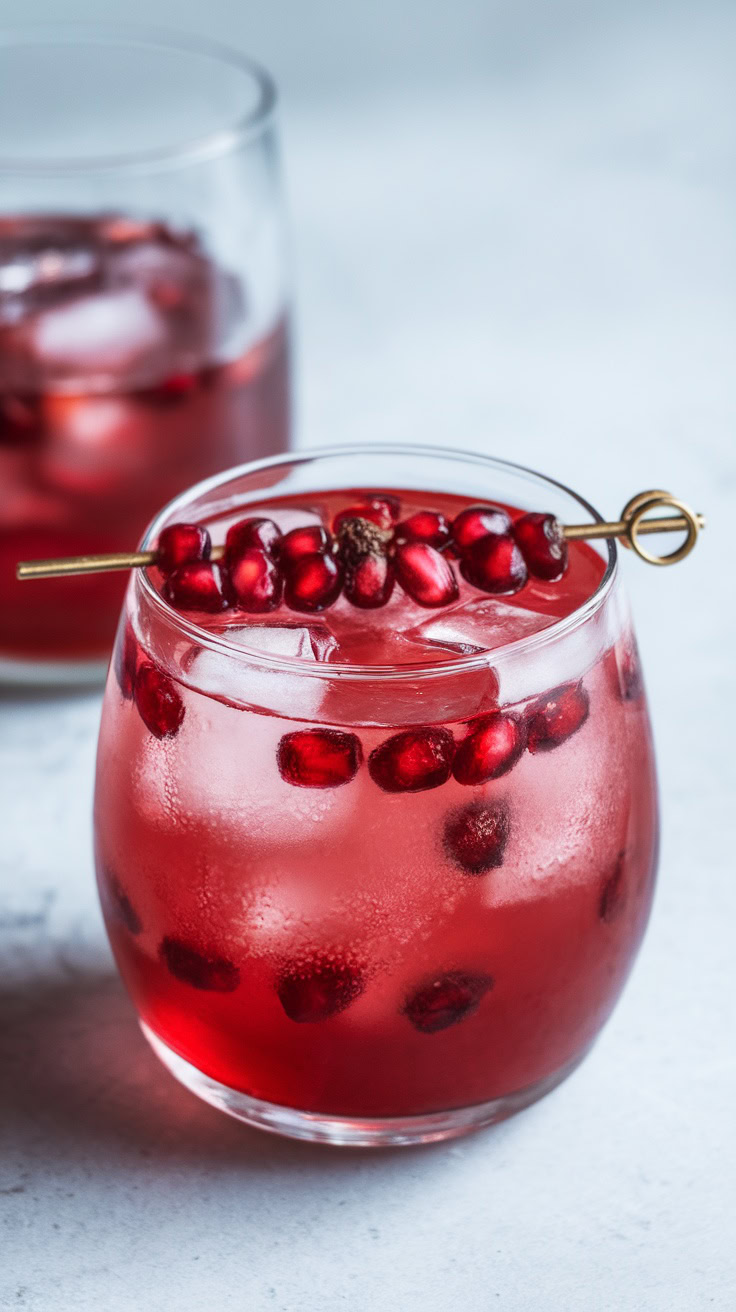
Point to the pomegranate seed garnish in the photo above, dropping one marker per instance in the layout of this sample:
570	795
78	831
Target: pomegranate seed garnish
425	574
424	526
158	701
478	522
493	746
542	545
556	717
370	582
196	587
125	660
445	1000
313	583
308	541
182	544
383	511
413	760
201	970
255	583
494	564
255	532
315	990
476	836
612	897
117	903
319	758
369	575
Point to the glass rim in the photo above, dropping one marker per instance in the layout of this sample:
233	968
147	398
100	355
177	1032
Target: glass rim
293	665
195	150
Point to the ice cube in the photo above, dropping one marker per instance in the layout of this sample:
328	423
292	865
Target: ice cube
112	332
376	637
52	269
250	683
480	624
308	641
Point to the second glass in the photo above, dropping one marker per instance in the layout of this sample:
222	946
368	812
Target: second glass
143	308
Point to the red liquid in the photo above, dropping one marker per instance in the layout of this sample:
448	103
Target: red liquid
123	379
325	949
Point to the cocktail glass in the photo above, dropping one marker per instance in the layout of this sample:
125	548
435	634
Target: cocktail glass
337	920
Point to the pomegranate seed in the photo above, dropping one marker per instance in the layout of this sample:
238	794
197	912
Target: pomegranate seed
556	717
318	989
157	699
624	668
476	836
167	296
201	970
478	522
494	564
369	575
425	575
319	758
195	587
308	541
383	511
542	545
173	389
445	1000
125	660
255	532
19	420
491	749
117	904
313	583
182	544
254	582
369	582
631	678
413	760
612	897
424	526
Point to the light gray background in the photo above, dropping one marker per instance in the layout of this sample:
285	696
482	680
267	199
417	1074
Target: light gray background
513	225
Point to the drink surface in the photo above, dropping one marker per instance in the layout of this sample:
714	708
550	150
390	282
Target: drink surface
130	366
297	918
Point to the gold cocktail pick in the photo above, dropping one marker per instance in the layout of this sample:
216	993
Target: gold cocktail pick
632	525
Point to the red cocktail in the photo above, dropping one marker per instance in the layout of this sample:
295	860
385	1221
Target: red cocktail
143	329
376	818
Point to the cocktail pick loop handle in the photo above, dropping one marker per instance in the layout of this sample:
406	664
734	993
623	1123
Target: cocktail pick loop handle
632	525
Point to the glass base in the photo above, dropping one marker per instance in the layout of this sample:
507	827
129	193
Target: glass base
348	1131
51	674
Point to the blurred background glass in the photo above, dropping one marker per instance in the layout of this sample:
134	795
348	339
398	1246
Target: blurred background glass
143	306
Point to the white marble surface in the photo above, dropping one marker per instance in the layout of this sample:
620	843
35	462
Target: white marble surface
543	267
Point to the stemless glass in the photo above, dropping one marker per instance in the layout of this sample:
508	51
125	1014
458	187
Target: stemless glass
143	307
334	963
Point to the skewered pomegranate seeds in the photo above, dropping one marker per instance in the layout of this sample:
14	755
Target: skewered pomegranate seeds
197	586
181	544
255	583
255	532
542	545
